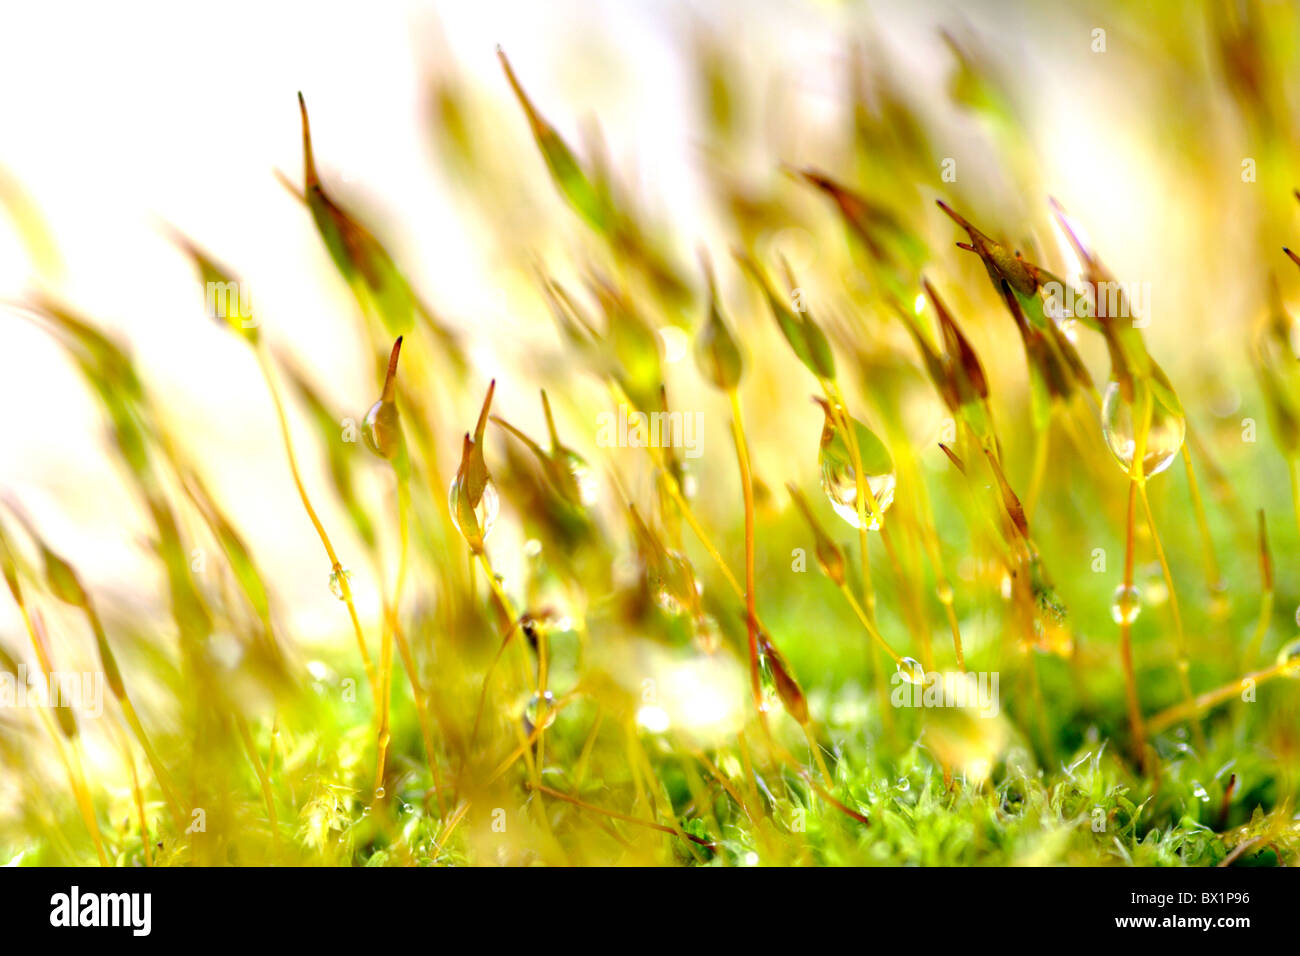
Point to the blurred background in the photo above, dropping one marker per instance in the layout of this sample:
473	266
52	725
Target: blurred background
119	119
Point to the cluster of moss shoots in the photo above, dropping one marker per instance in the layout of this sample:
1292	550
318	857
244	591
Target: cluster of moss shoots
511	739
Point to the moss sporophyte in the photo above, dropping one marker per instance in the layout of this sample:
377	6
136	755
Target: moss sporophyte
830	544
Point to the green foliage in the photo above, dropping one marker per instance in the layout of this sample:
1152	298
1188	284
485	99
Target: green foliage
620	691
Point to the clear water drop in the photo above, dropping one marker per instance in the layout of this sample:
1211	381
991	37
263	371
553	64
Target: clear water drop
836	455
534	707
1154	590
381	431
674	584
708	636
336	586
1125	605
583	479
1199	792
1164	438
380	793
904	785
841	486
1288	658
767	684
910	669
668	603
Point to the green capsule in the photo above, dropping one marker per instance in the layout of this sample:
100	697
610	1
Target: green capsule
716	353
472	497
382	428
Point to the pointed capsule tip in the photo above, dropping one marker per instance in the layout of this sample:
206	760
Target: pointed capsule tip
483	415
705	260
952	214
550	422
390	378
308	156
517	87
952	457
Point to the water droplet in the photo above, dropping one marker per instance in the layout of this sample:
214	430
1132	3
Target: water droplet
485	513
1198	791
1154	590
767	684
708	636
841	487
381	430
904	785
1164	434
1288	658
674	584
836	456
583	479
668	603
534	707
380	793
910	669
1125	605
336	586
